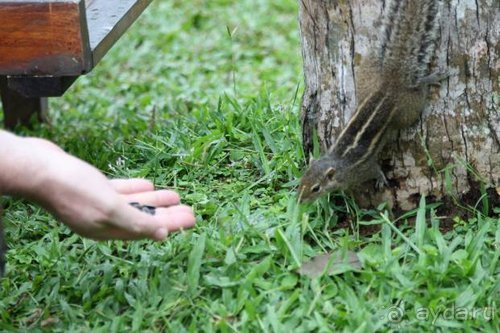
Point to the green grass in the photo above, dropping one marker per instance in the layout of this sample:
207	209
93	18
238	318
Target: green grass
203	97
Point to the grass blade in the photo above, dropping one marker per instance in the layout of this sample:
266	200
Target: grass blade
194	264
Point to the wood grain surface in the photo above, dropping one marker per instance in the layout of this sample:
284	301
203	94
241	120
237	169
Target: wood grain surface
61	37
43	38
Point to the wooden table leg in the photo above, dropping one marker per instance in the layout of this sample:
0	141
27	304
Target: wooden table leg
20	110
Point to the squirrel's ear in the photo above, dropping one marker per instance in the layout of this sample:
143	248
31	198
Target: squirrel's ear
330	173
311	159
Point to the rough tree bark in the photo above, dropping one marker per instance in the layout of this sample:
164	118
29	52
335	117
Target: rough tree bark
460	127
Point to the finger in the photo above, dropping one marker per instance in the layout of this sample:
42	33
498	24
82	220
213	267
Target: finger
176	217
175	224
155	198
133	185
154	226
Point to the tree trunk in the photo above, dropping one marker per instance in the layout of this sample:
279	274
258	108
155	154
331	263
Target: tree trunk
457	142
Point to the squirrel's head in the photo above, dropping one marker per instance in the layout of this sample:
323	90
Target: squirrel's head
321	177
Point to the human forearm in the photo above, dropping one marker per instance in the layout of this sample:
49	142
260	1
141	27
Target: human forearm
19	171
81	196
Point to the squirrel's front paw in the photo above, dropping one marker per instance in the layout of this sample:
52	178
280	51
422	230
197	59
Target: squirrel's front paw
381	182
434	79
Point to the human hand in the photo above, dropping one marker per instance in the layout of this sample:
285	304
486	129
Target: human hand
127	222
84	199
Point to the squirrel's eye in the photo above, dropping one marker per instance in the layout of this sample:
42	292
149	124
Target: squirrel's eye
315	188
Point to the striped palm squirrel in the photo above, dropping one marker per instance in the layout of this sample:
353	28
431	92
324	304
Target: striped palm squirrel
392	88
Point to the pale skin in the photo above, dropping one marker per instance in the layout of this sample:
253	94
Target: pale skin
81	197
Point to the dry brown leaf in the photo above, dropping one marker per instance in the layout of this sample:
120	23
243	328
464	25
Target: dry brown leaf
49	321
337	262
33	317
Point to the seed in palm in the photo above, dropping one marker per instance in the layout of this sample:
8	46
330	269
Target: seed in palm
151	210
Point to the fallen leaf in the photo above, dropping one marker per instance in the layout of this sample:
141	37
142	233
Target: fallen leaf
337	262
49	321
33	317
